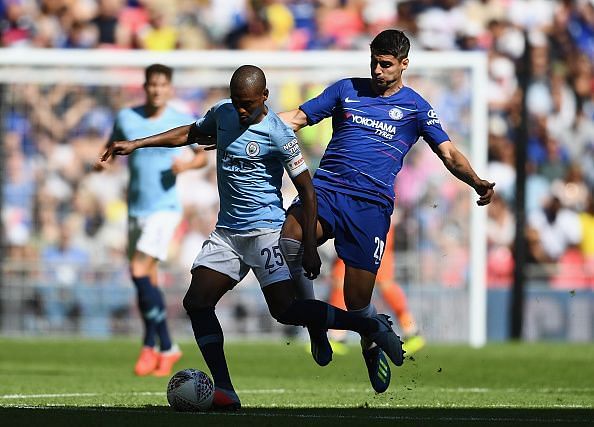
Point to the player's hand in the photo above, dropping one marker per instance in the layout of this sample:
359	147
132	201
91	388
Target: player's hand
118	148
99	166
178	166
485	190
311	262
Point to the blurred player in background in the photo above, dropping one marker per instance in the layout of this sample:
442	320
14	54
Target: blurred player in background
254	147
154	211
390	291
375	123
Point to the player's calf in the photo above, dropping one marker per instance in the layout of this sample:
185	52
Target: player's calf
313	314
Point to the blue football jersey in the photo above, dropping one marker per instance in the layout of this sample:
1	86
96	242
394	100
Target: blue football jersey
250	165
371	135
152	183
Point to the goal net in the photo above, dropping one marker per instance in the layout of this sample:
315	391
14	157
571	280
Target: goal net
64	268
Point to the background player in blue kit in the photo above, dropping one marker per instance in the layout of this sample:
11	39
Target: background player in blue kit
375	123
154	211
254	147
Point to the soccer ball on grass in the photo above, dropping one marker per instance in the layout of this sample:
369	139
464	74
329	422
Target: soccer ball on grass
190	390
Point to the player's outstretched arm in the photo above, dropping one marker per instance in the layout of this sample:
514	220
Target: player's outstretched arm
460	167
307	195
175	137
296	119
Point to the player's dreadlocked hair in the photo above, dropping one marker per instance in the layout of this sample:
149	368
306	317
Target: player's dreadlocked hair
391	42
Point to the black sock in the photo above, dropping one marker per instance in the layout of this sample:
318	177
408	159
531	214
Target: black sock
148	305
209	337
318	314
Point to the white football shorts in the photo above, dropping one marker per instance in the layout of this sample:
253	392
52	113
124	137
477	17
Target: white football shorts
234	253
151	234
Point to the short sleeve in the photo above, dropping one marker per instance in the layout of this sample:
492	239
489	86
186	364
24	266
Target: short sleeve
289	151
208	124
116	132
322	106
429	125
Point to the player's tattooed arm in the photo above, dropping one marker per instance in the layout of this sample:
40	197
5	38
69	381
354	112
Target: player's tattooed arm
307	195
460	167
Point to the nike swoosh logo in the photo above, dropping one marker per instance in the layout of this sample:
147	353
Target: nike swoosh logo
273	271
347	100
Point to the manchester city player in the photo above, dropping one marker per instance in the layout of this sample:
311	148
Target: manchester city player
375	123
154	210
254	147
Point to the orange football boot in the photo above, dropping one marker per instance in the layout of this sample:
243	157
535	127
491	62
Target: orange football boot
166	361
147	361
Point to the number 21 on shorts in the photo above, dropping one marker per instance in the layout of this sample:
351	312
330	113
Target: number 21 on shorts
379	250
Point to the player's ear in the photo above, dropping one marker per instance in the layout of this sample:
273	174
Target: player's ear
404	63
265	94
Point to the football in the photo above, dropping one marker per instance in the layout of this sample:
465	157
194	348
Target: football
190	390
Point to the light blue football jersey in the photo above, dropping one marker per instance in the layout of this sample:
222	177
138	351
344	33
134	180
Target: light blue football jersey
152	183
250	165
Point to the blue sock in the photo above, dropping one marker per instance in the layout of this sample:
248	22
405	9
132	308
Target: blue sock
209	337
148	304
162	329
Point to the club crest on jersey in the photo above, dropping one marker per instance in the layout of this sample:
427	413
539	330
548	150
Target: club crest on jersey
395	114
252	149
433	116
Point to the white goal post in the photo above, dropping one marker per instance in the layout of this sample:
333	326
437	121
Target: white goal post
203	69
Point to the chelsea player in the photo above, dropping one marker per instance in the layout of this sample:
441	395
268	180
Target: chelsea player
154	210
375	123
254	148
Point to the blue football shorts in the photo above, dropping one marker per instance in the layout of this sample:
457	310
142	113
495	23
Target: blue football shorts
359	227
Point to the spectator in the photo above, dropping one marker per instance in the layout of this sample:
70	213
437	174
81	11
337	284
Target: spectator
587	226
159	33
110	32
557	228
18	191
572	191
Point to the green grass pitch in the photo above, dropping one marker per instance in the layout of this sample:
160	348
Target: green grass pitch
90	383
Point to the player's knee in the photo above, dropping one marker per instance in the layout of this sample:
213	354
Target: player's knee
291	228
285	315
189	304
290	248
193	303
284	319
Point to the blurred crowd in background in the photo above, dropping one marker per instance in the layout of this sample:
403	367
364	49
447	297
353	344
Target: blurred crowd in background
56	209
